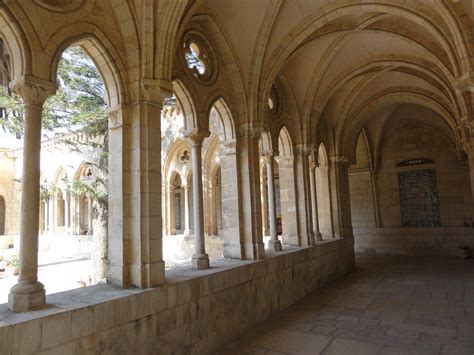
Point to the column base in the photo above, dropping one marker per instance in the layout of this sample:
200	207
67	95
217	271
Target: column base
25	297
319	237
274	245
187	232
200	261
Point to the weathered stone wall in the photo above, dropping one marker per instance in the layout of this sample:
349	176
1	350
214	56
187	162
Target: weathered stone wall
443	241
362	204
416	141
413	141
195	312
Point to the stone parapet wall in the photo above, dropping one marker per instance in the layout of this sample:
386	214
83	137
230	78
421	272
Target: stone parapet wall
194	312
442	241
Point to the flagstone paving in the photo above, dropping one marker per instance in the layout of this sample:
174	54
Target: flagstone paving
389	305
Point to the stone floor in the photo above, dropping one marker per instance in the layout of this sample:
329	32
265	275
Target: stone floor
390	305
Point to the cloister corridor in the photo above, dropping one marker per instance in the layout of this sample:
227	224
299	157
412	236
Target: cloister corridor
389	305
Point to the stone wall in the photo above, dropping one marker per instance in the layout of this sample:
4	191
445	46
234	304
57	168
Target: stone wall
436	241
195	312
417	141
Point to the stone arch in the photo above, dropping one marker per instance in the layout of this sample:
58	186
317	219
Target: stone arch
187	104
226	119
60	198
3	215
285	142
347	136
101	51
176	203
286	183
330	12
16	44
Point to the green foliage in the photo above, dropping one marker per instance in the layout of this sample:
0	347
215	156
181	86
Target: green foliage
15	260
77	109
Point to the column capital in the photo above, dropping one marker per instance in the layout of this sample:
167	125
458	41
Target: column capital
196	135
341	160
156	90
313	165
268	155
249	130
33	90
465	82
303	149
229	147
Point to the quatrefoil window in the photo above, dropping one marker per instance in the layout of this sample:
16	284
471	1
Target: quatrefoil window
199	57
196	58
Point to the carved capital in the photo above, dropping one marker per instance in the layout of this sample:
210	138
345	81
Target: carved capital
465	82
250	130
196	135
229	147
118	116
155	91
342	160
34	91
303	149
268	155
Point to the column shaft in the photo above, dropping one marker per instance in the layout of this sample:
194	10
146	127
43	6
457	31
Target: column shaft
274	244
28	293
187	230
314	200
200	259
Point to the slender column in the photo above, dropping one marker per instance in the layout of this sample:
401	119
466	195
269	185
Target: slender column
187	230
28	293
73	215
90	216
213	209
274	244
200	260
67	197
51	203
314	200
264	200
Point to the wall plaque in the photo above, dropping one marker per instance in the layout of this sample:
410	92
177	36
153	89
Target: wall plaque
419	198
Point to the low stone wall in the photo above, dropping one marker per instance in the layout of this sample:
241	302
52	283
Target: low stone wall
195	311
442	241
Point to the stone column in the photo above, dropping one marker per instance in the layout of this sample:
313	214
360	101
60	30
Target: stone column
135	236
314	200
231	208
51	224
264	199
73	215
67	197
90	215
341	204
187	230
274	244
200	260
28	293
303	196
249	179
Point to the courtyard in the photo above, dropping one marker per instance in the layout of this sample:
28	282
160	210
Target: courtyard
389	305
